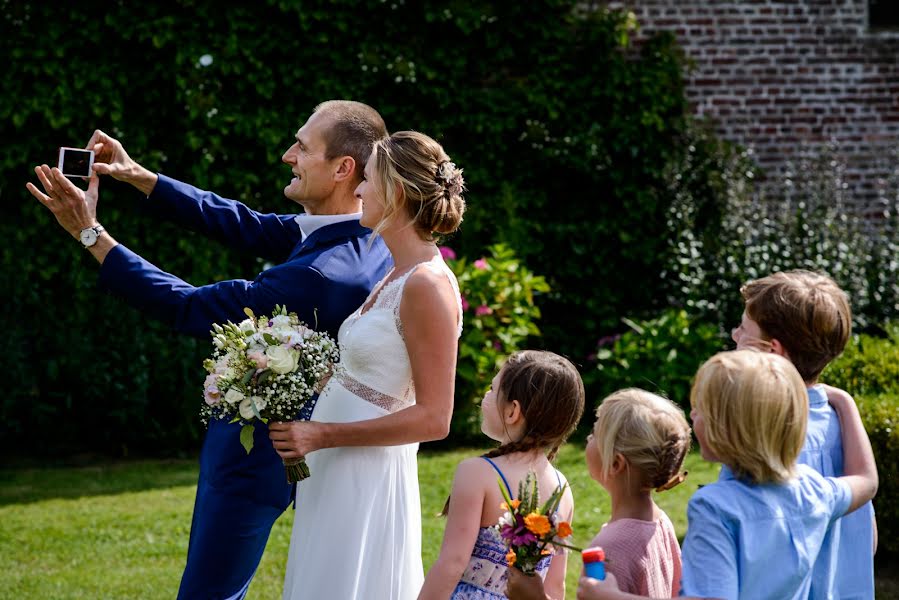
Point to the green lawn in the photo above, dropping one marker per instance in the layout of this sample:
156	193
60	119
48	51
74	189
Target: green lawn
120	531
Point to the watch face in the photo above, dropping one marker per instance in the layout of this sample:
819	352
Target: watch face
88	237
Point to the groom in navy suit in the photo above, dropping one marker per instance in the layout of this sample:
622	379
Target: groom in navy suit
325	266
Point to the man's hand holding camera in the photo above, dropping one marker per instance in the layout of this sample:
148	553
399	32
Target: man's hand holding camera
111	159
75	209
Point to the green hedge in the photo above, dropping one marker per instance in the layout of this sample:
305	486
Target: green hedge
880	414
660	355
500	315
563	128
869	369
869	365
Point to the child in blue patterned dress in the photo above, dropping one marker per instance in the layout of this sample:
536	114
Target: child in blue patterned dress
533	405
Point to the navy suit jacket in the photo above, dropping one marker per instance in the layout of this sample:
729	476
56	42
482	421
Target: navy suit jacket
324	277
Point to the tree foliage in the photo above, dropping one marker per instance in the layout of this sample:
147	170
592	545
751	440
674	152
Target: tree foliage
563	129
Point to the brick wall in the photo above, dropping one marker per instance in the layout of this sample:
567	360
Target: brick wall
777	74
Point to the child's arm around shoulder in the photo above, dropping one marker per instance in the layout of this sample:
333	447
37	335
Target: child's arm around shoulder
859	468
463	521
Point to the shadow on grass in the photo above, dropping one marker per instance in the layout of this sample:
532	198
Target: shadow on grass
27	484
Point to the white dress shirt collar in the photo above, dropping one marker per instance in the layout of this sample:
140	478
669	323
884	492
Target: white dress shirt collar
309	223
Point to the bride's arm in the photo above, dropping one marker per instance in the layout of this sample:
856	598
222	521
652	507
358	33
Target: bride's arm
429	314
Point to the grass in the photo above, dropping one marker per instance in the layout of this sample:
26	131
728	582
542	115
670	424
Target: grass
120	530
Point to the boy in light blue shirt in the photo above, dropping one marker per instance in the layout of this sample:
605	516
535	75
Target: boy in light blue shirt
805	317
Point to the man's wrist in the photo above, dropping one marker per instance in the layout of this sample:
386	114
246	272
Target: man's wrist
105	243
143	179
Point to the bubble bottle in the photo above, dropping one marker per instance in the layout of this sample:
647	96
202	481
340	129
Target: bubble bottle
594	565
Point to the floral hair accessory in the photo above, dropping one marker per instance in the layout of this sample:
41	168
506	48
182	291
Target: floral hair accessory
450	177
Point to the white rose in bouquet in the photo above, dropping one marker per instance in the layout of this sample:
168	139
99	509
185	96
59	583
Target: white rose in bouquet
246	408
247	404
233	396
282	360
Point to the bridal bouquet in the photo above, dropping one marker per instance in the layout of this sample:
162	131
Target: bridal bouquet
529	529
265	369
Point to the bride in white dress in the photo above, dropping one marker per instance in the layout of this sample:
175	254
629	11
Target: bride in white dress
357	529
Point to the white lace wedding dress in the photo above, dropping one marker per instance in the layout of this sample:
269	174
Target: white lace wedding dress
357	529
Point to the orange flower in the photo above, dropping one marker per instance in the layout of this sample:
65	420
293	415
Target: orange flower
537	524
563	530
510	557
505	506
546	551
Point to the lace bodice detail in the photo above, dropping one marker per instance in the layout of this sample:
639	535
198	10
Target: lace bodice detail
485	576
374	363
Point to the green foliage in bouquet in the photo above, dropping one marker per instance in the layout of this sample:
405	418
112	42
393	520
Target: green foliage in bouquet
660	355
499	315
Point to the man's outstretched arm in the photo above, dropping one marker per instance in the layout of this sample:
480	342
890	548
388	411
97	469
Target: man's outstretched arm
229	222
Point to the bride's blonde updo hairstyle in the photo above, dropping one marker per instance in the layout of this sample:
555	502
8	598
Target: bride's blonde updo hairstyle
418	181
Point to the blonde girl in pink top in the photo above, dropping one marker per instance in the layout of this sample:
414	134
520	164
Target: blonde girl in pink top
638	445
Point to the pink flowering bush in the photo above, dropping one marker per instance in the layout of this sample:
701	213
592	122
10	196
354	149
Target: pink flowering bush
499	316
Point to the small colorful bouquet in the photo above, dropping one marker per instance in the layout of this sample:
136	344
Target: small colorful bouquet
265	369
531	530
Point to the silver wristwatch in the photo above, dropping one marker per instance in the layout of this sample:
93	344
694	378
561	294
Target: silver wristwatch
89	235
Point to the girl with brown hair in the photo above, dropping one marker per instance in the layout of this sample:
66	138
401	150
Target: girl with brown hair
533	405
